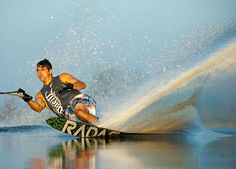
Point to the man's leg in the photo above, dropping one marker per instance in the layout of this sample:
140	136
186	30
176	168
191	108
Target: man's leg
83	114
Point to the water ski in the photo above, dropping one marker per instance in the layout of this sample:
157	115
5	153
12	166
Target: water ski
80	129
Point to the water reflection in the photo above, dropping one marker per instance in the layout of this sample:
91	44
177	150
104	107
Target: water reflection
172	152
79	154
219	154
134	151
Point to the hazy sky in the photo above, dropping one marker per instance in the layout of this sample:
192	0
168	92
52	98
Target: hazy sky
27	27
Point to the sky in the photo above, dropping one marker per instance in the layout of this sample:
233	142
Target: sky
28	26
84	37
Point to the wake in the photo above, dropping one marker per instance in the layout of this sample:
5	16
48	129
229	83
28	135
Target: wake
173	107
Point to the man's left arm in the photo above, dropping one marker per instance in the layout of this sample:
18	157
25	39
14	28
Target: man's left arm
69	79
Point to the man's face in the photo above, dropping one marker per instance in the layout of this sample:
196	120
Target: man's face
43	73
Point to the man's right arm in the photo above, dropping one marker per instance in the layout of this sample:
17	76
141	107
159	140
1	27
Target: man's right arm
38	105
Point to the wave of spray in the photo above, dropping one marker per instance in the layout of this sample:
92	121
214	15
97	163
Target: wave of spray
115	79
114	71
173	106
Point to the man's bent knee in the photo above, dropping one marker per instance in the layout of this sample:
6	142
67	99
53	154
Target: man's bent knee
80	107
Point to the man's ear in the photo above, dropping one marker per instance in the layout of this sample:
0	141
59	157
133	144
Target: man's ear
50	71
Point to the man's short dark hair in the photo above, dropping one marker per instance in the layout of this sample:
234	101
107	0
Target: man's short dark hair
44	63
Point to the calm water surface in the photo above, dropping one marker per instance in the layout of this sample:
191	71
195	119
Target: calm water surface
45	148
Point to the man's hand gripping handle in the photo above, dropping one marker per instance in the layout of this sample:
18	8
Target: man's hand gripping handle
21	93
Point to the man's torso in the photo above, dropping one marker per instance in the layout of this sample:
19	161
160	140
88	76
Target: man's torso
56	99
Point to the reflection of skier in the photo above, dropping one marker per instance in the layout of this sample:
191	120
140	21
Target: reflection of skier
79	154
62	95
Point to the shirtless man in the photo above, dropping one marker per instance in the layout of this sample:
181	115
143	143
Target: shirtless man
62	95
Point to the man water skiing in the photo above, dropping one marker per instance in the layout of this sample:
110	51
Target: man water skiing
62	95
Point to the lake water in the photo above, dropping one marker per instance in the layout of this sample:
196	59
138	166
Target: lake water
36	147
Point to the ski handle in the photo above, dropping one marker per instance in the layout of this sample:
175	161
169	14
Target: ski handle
12	93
